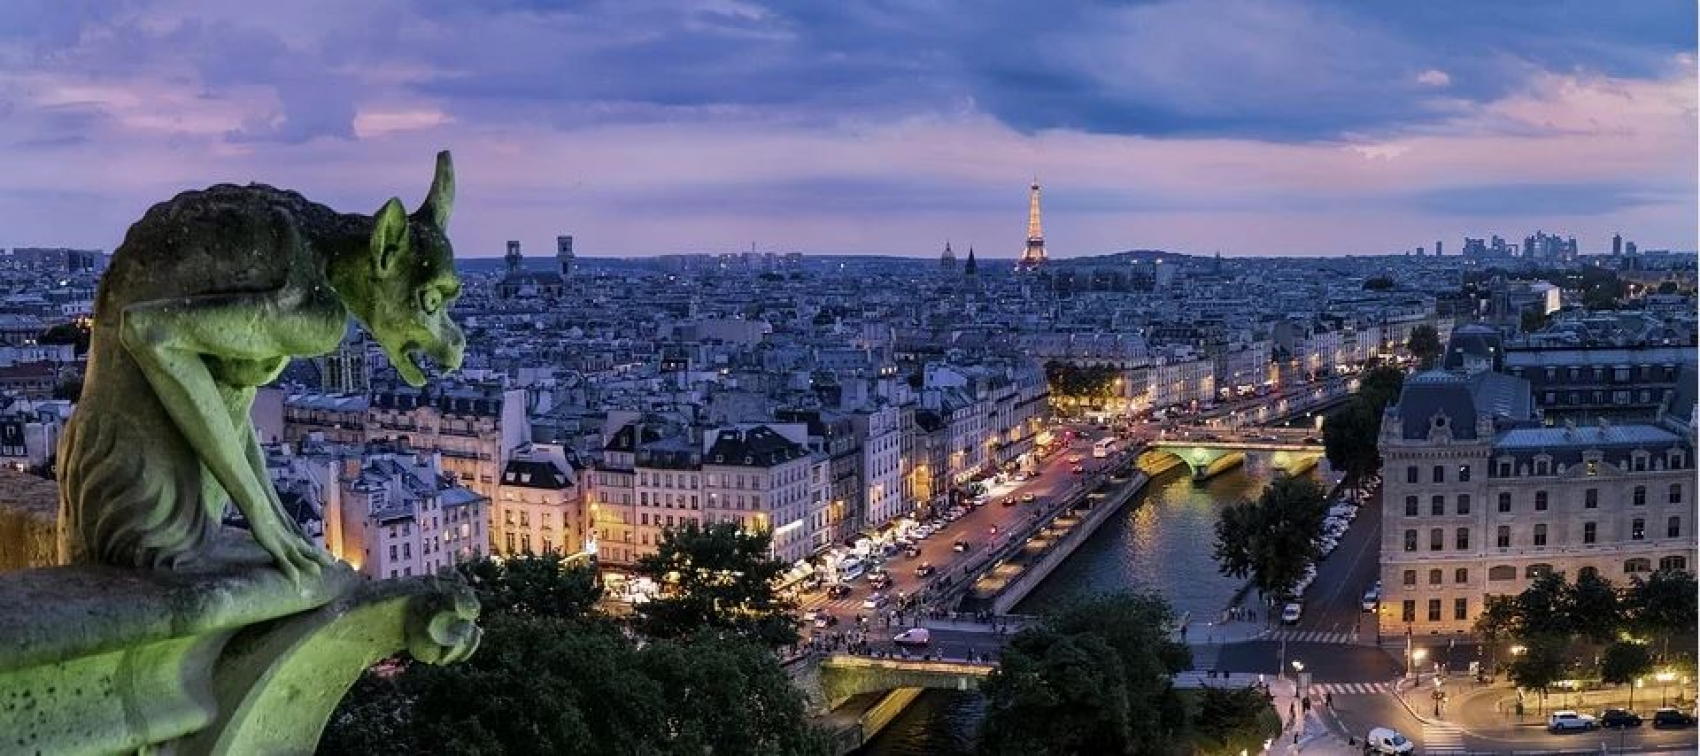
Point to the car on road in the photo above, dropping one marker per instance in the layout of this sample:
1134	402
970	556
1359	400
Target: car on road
1371	600
873	601
1075	459
924	570
911	552
1078	469
825	621
810	615
1389	741
959	546
1028	498
837	591
1569	721
1674	719
1612	719
1008	501
1291	612
1312	441
914	636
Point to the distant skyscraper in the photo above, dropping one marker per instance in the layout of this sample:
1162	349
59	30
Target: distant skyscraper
947	261
1617	245
1034	255
564	255
1439	246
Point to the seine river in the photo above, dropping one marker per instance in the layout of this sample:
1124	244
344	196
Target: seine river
1162	544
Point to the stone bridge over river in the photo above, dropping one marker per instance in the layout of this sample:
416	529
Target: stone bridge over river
1211	456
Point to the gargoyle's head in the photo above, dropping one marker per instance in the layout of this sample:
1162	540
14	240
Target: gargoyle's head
404	302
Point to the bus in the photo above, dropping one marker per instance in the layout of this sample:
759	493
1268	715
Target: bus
1103	448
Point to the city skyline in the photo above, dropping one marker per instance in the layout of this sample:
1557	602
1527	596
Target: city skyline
1262	129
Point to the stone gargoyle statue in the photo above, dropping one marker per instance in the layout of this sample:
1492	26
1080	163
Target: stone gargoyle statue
208	297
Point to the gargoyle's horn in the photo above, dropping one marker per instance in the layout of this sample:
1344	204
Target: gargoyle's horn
441	201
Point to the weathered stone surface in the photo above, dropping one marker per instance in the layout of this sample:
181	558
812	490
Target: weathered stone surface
28	509
237	659
210	295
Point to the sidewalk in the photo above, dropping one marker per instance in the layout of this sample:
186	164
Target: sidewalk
1312	735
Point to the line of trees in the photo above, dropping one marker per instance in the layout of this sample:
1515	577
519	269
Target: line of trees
1274	539
1081	381
1352	434
1096	678
693	673
1592	628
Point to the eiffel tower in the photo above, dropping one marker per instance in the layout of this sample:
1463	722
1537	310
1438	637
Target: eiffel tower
1034	255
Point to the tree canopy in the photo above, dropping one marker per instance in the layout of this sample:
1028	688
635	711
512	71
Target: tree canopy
1351	436
1081	382
1424	345
1378	283
717	579
1093	678
553	675
1274	538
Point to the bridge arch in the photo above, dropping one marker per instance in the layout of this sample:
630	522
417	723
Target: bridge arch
843	677
1205	460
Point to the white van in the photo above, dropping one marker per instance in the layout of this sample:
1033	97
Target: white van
850	569
1389	741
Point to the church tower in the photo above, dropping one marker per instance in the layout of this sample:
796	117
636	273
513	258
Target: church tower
1034	255
947	261
564	255
512	257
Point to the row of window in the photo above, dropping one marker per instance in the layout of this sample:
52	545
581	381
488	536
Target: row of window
1502	534
1639	462
1590	500
1461	606
1461	575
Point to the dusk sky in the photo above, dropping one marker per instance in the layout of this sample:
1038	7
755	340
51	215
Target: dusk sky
844	126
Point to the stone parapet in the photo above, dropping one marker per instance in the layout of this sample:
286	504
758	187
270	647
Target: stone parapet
29	508
233	659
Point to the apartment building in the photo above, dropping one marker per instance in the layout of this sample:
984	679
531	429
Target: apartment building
539	505
1480	497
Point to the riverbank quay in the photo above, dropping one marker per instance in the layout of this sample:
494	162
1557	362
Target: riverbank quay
1019	568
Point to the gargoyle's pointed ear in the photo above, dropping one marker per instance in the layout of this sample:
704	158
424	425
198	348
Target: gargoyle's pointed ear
441	201
389	237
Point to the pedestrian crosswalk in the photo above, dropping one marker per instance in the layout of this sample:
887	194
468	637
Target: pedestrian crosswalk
1312	636
1442	737
1351	689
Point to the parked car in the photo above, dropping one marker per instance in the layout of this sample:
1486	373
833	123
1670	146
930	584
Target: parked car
1389	741
1291	612
915	636
1570	721
924	570
1668	718
1615	718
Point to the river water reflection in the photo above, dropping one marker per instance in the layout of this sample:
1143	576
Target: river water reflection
1162	544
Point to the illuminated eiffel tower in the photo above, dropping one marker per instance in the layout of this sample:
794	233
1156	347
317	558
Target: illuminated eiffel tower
1034	255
